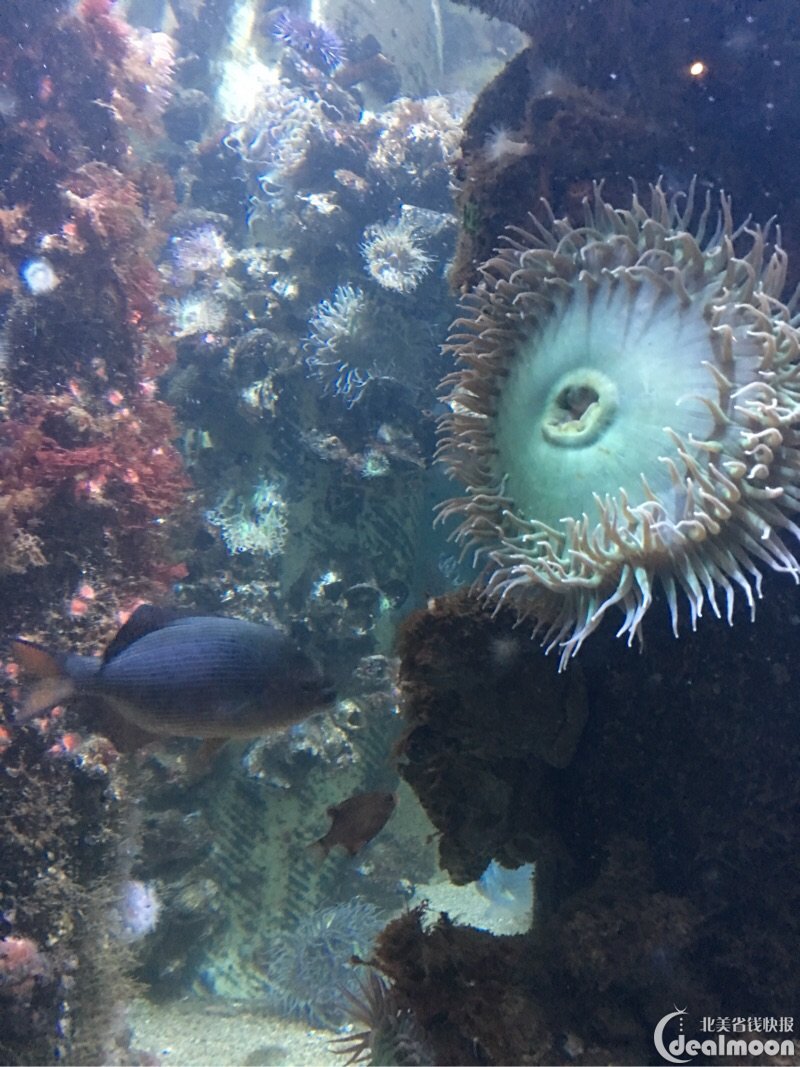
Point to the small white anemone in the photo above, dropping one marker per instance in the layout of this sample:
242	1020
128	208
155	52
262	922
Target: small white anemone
393	256
198	313
501	147
39	275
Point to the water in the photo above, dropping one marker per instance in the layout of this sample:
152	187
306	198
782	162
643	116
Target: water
233	238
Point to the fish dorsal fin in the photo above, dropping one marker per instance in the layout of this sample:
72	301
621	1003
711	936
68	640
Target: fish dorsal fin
145	620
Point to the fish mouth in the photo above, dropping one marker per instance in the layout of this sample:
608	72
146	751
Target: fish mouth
327	695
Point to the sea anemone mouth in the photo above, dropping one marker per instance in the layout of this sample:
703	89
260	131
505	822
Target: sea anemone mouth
581	405
625	414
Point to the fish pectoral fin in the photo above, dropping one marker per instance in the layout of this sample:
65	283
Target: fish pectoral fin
211	746
199	763
104	717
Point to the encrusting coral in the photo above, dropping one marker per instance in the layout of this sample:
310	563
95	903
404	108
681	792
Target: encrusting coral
84	438
63	981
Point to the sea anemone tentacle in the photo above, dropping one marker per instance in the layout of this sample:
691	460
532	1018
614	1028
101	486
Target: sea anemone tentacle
626	414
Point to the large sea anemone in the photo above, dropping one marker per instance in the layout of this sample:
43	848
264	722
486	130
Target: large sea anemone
625	415
307	967
389	1034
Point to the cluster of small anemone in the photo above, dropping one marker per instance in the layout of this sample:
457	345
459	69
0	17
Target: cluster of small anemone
256	523
625	415
417	135
275	133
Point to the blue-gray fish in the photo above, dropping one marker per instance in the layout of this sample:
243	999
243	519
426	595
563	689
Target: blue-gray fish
195	676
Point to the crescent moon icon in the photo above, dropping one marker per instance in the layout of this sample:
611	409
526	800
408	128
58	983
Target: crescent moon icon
658	1035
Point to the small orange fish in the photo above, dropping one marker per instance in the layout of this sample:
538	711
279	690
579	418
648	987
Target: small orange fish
355	822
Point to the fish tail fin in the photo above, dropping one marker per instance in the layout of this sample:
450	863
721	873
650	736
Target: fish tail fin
44	695
53	684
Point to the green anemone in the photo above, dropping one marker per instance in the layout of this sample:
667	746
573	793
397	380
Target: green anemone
625	412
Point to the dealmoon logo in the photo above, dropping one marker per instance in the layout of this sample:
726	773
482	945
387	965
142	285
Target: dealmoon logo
658	1036
738	1046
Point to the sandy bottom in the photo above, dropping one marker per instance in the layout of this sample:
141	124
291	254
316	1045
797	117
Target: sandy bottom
203	1034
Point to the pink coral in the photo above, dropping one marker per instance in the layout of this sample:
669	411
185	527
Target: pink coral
59	455
21	965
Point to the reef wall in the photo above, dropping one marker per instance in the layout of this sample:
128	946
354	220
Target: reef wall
631	92
64	966
87	457
665	849
91	489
